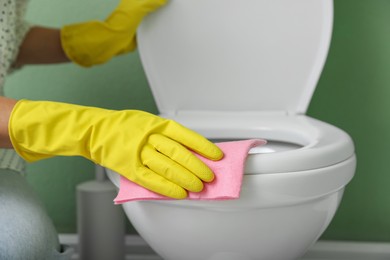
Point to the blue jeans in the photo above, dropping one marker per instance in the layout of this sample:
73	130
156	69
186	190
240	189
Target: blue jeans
26	231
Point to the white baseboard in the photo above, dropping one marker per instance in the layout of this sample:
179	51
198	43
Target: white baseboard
138	249
135	247
348	250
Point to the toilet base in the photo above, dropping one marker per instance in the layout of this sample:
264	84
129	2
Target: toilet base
195	233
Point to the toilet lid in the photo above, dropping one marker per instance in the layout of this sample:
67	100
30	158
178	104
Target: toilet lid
229	55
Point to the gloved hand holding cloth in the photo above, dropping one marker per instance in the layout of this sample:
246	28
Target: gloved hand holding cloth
146	149
95	42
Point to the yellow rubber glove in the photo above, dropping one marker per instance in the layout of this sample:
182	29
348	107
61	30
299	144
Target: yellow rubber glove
96	42
147	149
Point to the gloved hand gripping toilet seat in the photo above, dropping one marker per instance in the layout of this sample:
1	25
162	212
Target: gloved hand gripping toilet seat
95	42
144	148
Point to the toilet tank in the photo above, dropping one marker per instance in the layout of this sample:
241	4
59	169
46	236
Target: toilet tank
264	56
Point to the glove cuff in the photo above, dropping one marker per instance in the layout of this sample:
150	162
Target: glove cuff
17	130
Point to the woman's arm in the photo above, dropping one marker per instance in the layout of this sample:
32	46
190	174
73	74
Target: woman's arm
6	106
87	43
41	46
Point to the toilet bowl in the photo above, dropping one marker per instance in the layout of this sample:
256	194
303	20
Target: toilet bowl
234	70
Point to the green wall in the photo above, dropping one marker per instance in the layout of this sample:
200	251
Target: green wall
352	94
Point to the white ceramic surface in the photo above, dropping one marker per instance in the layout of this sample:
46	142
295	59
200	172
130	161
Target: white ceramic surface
237	70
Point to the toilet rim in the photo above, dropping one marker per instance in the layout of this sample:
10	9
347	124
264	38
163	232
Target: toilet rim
321	145
318	144
272	190
324	163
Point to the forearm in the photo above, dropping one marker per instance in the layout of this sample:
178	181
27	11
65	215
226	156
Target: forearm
6	106
41	46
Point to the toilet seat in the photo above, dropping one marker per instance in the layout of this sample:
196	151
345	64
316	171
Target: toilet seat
316	144
318	160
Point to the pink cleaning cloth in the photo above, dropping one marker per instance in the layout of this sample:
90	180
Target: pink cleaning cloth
226	184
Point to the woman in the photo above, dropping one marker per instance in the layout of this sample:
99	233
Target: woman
144	148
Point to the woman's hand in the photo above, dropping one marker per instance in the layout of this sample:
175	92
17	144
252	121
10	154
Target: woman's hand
149	150
96	42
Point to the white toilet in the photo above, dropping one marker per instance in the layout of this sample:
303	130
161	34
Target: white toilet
238	70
